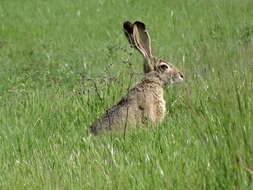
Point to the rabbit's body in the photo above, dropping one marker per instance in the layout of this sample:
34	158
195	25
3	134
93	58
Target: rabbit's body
145	100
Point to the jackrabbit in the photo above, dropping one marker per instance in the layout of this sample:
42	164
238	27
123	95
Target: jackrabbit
145	100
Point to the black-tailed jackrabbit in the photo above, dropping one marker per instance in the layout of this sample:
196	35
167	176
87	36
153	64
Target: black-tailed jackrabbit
145	100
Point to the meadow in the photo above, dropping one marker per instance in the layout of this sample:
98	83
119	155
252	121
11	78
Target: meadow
63	62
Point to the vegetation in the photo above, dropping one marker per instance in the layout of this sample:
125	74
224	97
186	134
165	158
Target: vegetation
64	62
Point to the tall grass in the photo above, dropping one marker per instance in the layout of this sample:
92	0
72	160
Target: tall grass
64	62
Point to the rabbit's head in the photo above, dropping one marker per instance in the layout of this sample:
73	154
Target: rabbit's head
139	38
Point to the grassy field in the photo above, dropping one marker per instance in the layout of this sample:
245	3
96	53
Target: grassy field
64	62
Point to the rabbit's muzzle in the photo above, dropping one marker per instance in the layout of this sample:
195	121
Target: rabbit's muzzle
177	77
171	76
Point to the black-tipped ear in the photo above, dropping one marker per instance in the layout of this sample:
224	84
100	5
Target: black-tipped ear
142	39
140	25
128	27
139	39
128	31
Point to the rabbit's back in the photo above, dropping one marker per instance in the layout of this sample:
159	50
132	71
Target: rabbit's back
143	102
125	112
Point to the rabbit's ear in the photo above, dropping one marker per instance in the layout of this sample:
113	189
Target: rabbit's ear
143	44
142	39
128	31
138	37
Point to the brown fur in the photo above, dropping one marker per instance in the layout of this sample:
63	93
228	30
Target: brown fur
145	100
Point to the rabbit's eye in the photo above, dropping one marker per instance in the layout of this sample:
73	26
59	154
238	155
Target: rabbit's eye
164	67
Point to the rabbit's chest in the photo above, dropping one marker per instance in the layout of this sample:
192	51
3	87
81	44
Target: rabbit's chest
150	102
159	107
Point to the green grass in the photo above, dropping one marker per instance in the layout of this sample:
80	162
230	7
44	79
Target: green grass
48	49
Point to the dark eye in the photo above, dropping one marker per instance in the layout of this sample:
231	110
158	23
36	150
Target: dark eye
163	67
